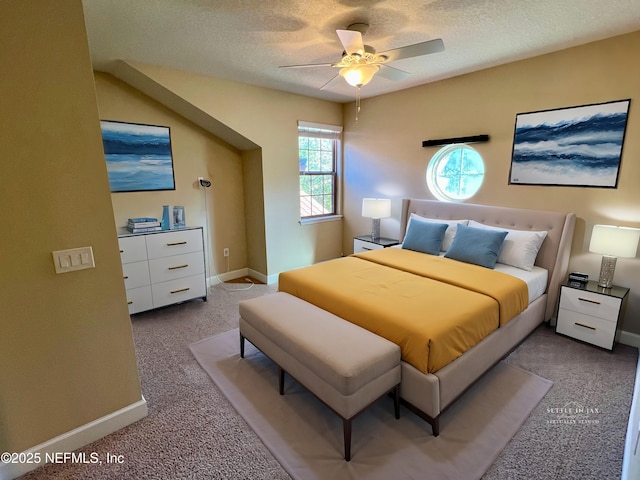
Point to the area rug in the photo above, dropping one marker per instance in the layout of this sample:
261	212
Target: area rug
306	437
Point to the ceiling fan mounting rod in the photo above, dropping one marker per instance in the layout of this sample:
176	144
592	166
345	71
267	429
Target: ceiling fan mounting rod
359	27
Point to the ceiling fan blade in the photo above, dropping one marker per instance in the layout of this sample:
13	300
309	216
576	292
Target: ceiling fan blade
330	82
307	65
351	41
415	50
391	73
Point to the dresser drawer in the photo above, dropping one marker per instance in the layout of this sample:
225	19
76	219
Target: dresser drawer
177	266
178	290
135	274
174	243
589	303
139	299
360	246
132	249
587	328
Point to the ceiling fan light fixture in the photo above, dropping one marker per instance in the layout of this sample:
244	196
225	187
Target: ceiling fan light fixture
359	75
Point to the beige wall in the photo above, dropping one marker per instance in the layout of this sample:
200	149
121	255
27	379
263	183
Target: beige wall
384	156
196	153
66	347
268	118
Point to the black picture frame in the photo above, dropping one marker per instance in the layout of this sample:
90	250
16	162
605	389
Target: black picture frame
575	146
139	157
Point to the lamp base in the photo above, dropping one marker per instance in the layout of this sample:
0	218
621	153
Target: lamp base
607	268
375	229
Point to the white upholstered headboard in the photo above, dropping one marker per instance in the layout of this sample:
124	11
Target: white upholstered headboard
554	252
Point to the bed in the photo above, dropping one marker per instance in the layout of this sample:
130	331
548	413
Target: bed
453	317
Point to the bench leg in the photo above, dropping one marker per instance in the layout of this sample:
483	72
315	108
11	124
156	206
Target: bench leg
435	426
241	346
396	401
281	373
346	428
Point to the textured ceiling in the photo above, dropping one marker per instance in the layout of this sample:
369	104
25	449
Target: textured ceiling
247	40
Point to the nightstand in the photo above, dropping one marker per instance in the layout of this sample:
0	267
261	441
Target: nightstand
591	313
364	243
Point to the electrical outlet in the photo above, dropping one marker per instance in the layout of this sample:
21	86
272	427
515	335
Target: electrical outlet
225	252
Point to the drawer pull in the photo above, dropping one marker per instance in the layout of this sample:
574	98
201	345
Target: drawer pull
173	244
588	300
125	277
180	290
179	266
130	302
585	326
121	251
365	248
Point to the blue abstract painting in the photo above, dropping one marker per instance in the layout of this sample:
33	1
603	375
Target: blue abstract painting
577	146
138	156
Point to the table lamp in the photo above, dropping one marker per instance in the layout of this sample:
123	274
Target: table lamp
612	242
376	208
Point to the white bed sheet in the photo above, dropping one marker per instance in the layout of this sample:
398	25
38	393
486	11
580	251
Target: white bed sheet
536	279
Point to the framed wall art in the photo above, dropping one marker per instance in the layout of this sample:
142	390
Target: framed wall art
575	146
138	156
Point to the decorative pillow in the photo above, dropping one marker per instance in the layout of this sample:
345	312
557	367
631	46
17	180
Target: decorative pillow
425	237
448	235
476	245
520	247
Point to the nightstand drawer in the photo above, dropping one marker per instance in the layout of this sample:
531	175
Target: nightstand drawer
360	246
596	331
590	303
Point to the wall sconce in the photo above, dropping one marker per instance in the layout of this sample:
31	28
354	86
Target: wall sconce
376	208
612	242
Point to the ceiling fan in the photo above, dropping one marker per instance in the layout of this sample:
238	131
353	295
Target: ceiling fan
360	62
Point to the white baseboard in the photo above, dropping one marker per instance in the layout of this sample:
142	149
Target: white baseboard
627	338
242	272
224	277
75	439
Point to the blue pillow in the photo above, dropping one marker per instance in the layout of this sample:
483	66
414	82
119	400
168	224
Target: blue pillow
425	237
476	245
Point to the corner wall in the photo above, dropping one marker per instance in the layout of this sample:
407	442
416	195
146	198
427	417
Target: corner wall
196	153
66	347
267	119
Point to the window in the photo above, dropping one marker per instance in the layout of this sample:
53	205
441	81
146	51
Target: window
455	173
318	153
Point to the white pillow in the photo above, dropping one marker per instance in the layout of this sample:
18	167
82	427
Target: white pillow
448	234
520	247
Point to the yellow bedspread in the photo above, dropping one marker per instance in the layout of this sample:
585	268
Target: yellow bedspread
434	308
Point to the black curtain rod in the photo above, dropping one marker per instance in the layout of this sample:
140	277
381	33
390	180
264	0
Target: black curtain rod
449	141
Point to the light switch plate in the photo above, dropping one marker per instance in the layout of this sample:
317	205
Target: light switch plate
73	259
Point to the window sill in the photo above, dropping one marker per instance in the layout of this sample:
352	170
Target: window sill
328	218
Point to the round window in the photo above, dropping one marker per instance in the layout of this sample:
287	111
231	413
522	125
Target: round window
455	173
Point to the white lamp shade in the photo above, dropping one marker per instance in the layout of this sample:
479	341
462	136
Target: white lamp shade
376	207
359	75
614	241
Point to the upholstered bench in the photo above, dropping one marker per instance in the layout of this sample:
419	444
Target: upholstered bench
347	367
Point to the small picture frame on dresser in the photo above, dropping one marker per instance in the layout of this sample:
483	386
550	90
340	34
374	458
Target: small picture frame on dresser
178	217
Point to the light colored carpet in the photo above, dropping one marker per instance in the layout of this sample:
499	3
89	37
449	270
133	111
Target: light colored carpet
306	437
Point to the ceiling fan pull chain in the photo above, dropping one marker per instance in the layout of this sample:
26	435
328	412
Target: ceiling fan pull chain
357	102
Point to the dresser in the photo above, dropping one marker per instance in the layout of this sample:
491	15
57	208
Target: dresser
591	313
162	268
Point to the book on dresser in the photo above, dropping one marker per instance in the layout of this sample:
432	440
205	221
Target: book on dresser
143	225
